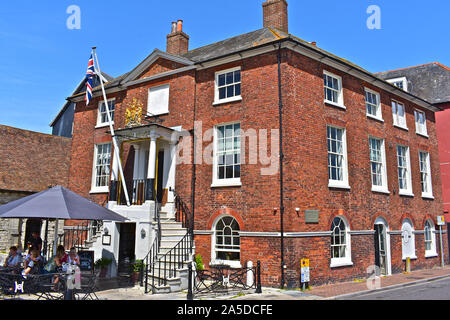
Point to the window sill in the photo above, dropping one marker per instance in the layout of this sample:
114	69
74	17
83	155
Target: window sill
103	125
406	193
334	104
99	190
232	264
431	255
384	191
428	196
343	263
401	127
152	115
223	101
220	184
334	185
423	135
375	118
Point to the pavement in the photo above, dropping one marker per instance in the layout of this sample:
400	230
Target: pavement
337	291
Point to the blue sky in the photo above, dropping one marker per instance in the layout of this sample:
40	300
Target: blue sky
42	61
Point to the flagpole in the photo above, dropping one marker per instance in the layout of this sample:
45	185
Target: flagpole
111	127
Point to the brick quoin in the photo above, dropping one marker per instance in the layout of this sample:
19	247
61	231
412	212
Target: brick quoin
305	117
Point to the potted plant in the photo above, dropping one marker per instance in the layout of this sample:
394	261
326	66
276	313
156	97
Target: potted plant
102	265
199	263
136	268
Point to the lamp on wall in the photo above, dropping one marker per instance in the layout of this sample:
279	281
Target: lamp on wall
106	238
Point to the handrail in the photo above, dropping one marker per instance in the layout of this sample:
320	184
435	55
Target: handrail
167	264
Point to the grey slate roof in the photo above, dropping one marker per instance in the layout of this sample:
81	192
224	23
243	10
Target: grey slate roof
430	82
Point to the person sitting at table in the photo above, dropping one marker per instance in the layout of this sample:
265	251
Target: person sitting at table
27	258
13	260
73	259
60	258
34	265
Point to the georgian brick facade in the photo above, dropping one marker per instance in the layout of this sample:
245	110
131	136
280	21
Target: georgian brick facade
305	163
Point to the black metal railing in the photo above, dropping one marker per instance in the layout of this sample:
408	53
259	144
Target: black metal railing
161	267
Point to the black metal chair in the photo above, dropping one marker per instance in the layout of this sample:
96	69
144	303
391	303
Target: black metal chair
88	287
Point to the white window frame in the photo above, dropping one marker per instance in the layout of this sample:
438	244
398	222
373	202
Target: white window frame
432	252
421	129
396	117
408	191
403	80
216	182
379	113
384	187
216	87
340	91
94	187
214	260
101	124
347	259
344	183
161	111
428	194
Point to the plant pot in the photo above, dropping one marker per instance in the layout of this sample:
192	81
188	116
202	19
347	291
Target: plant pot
103	272
135	276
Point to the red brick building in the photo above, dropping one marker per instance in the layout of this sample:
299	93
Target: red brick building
30	162
343	180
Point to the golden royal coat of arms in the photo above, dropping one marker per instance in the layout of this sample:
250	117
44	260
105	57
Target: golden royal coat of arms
133	114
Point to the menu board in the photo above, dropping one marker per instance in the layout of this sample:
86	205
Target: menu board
86	260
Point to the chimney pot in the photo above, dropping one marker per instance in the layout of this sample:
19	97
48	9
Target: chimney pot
180	25
174	27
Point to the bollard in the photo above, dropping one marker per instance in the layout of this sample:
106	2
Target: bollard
258	277
408	265
190	296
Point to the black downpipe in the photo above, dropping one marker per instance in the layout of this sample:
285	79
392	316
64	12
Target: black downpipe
281	164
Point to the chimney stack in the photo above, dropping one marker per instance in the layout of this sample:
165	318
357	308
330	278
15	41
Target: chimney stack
276	14
177	40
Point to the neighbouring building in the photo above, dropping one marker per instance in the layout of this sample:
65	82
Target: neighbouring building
431	82
298	154
62	125
30	162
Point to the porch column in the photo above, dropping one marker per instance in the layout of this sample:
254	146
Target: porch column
137	156
114	179
173	165
150	192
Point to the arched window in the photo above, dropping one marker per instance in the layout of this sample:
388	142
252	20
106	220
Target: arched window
227	241
430	239
340	243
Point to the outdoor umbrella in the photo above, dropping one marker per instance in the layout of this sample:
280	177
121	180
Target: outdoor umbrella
57	203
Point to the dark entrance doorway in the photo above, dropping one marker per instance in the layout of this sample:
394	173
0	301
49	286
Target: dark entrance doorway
159	182
32	225
380	248
126	246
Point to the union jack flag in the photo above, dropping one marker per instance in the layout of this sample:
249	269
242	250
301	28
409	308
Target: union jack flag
89	79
